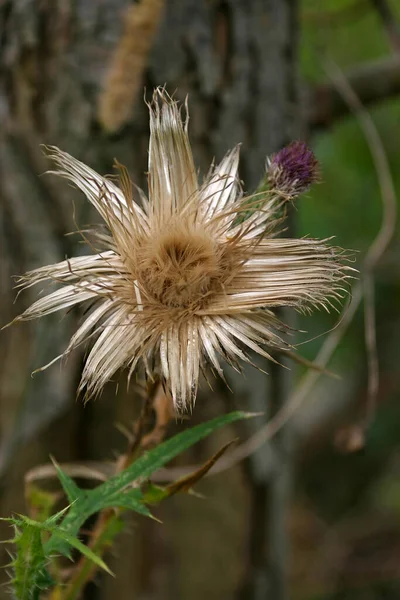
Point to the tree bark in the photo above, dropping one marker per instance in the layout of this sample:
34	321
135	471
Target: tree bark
237	61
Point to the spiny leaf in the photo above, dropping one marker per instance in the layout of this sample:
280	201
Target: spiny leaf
72	491
29	565
77	544
113	492
155	459
52	520
32	555
60	533
131	499
49	525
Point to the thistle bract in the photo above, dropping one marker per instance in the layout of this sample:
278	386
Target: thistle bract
293	169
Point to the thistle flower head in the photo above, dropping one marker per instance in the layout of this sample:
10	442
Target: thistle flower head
179	278
293	169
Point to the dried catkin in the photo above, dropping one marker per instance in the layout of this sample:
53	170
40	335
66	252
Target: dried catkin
125	74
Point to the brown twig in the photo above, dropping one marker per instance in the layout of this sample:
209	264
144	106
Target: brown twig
389	22
139	429
386	231
371	82
329	18
373	255
309	364
93	470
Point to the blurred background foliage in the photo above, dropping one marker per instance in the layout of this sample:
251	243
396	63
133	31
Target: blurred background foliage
344	521
356	496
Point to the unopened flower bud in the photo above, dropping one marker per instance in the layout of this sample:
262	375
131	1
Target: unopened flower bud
293	169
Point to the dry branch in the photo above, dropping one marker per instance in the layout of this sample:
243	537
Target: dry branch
371	82
389	22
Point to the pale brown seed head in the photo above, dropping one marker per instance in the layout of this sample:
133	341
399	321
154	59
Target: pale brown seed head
181	266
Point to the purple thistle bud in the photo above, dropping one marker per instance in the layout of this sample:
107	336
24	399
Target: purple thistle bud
293	169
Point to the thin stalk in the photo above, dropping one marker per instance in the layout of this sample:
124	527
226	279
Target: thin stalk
278	495
105	529
101	540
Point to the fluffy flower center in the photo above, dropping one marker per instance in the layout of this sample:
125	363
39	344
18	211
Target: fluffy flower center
179	269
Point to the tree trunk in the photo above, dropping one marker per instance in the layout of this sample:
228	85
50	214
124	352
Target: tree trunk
236	59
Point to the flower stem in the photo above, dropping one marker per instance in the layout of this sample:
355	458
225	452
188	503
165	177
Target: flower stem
106	526
102	538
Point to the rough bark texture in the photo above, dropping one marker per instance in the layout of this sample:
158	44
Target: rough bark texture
236	60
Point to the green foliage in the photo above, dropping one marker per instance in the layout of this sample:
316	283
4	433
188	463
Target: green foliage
115	492
31	575
39	542
331	27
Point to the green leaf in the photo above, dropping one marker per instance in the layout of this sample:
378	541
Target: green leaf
131	500
30	576
59	532
29	563
49	525
73	492
73	541
164	453
114	493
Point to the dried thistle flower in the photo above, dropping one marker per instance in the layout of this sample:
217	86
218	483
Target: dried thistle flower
180	278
